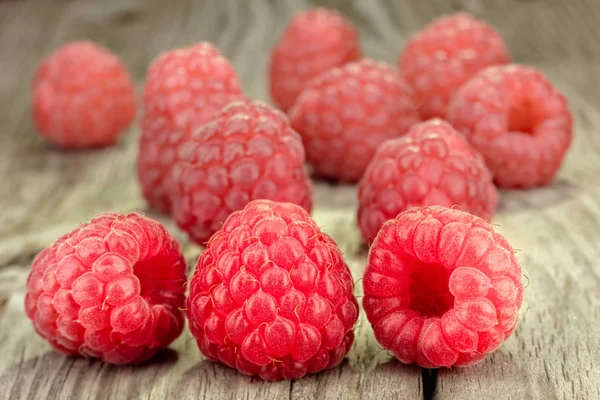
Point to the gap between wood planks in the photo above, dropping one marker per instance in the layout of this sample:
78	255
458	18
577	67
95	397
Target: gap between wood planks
429	381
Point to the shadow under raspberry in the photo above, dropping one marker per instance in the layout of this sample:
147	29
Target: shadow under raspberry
47	374
208	376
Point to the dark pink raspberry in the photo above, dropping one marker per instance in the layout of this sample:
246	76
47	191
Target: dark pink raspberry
431	165
271	295
313	42
444	55
111	289
185	88
83	96
346	113
518	121
248	152
441	287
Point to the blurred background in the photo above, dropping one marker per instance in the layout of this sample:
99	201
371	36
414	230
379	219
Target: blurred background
45	191
41	183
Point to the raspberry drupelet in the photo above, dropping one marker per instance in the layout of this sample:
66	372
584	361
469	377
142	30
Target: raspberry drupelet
111	289
185	88
444	55
431	165
344	114
83	96
518	121
442	288
313	42
272	296
248	152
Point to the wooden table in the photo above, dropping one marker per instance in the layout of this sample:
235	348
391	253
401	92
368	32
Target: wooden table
44	192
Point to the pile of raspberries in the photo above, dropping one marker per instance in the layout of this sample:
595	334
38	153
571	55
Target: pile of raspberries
428	142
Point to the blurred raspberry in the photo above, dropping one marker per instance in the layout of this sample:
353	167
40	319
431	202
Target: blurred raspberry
185	88
248	152
441	287
444	55
518	121
271	295
83	96
111	289
346	113
312	43
431	165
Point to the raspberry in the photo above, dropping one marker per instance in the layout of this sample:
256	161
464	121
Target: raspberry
444	55
111	289
312	43
271	295
431	165
518	121
185	88
83	96
248	152
441	287
346	113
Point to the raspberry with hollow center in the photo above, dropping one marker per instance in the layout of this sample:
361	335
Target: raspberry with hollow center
312	43
272	296
248	152
431	165
346	113
83	96
446	53
518	121
441	287
111	289
185	88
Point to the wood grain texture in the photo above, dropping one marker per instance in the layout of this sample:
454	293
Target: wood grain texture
44	192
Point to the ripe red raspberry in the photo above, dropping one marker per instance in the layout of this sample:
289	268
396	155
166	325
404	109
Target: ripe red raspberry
444	55
431	165
441	287
271	295
83	96
111	289
518	121
347	112
248	152
185	88
312	43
